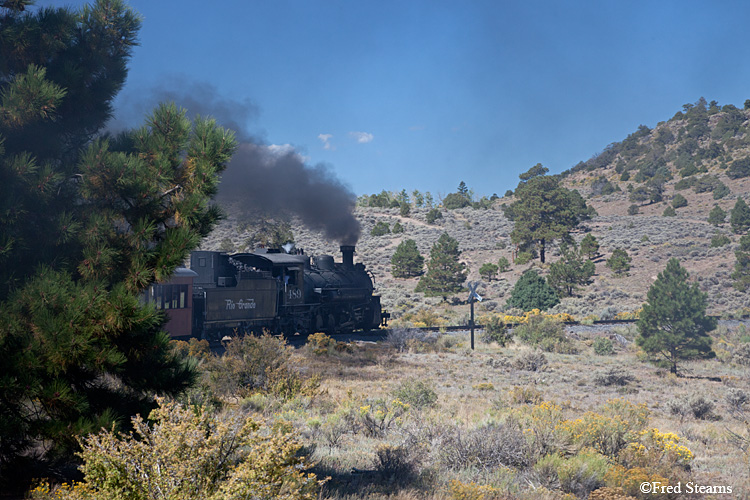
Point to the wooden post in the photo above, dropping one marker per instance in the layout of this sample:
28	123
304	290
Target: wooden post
471	321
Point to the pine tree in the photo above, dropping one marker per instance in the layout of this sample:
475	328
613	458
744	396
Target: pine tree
589	246
418	198
503	265
445	273
740	218
717	216
741	274
543	210
673	325
570	272
488	270
532	291
86	224
428	200
407	262
619	262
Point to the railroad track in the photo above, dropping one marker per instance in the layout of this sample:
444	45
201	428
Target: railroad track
382	334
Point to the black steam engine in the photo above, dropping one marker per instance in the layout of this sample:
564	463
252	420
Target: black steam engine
279	292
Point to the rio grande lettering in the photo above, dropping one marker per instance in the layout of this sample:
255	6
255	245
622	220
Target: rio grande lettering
242	304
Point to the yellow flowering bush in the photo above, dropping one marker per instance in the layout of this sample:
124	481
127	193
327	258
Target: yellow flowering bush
374	417
630	480
657	449
320	343
540	424
191	454
473	491
561	317
629	315
609	432
524	395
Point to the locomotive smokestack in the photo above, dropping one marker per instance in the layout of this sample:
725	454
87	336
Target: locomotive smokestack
347	256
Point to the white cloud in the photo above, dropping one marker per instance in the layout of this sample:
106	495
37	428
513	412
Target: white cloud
280	149
362	137
273	152
326	140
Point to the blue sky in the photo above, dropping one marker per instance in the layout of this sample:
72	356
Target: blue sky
424	94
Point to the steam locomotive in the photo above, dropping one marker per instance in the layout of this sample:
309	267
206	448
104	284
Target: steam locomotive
268	290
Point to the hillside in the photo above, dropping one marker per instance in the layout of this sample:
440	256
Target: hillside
701	153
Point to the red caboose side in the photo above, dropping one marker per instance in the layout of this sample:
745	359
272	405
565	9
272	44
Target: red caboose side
176	298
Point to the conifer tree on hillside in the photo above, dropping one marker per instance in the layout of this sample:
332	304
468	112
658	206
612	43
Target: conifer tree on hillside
589	246
460	199
407	262
619	262
445	273
488	270
741	274
570	272
740	217
532	291
86	224
717	216
543	210
673	325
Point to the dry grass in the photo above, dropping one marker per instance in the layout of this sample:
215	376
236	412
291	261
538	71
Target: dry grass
476	388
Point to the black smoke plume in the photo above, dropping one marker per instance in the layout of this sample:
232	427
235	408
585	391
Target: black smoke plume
264	180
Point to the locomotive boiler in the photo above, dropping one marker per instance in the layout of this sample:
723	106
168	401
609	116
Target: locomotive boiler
270	290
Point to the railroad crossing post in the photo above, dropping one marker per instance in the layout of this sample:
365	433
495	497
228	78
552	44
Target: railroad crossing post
473	295
471	321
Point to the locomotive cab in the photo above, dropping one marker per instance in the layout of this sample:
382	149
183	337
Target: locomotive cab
282	293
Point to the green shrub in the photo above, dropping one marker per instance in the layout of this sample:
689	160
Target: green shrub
255	364
679	201
633	210
545	333
531	361
416	393
532	291
603	346
433	215
523	258
720	240
495	330
613	376
669	212
580	474
456	200
380	229
695	405
397	228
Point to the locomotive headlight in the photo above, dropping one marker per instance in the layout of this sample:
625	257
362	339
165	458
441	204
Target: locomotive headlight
318	290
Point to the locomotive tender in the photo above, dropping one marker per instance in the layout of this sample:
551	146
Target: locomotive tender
272	291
